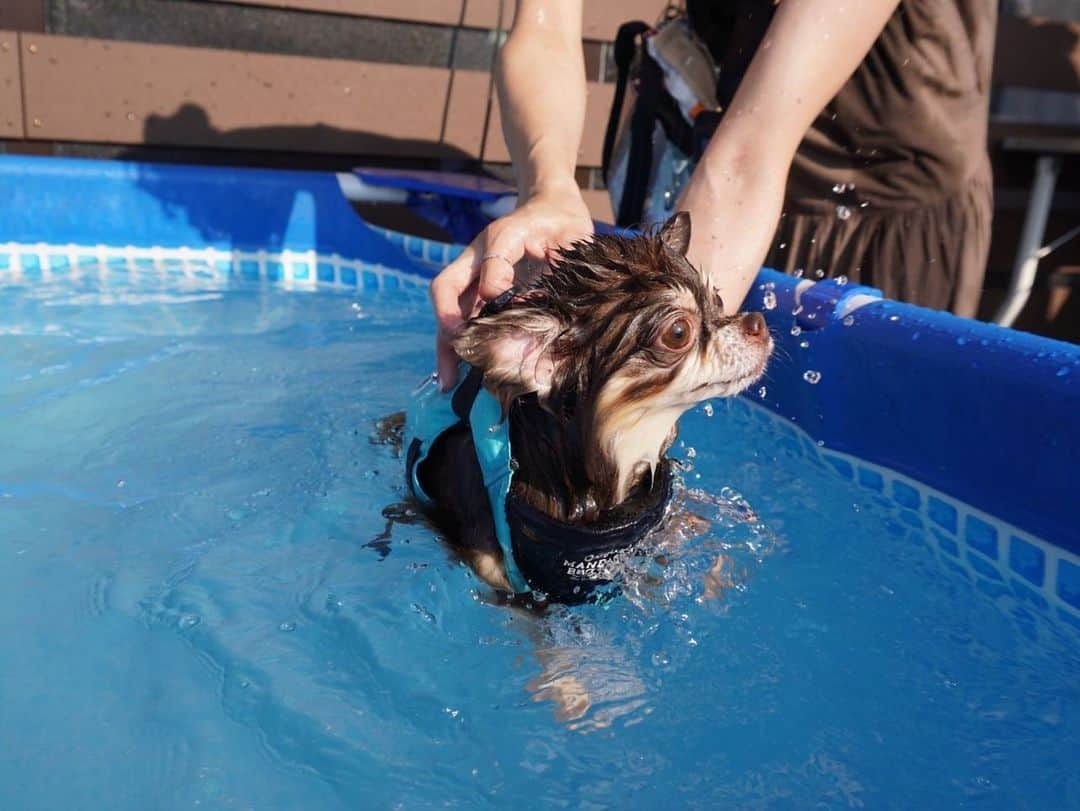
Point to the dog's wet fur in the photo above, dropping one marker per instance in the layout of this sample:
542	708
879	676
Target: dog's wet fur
593	362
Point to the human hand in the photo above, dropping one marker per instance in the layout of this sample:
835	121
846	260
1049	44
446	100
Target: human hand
486	267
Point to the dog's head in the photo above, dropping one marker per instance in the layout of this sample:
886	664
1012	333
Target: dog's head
621	328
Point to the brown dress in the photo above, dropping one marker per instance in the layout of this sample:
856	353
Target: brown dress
891	186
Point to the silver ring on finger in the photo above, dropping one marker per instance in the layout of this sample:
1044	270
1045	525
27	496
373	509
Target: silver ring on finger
488	256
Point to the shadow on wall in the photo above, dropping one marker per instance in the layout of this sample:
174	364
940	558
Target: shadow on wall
254	209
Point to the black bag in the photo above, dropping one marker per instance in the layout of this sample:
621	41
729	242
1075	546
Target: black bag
653	142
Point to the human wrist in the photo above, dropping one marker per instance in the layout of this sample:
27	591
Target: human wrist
549	186
561	194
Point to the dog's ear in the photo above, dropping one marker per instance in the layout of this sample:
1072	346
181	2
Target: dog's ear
675	233
514	350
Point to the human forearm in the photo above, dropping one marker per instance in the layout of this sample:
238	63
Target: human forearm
737	192
541	86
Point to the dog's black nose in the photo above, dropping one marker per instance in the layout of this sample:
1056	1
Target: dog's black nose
753	325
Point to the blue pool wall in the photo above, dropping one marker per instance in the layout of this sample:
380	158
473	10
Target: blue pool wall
62	201
982	414
985	414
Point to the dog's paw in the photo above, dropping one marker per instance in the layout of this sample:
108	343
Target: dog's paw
719	578
390	430
567	693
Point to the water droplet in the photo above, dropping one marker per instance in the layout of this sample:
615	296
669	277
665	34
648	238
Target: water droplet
691	453
708	409
961	341
819	274
423	612
782	245
798	273
121	483
762	392
894	318
843	213
287	627
841	280
838	188
797	310
660	659
189	621
32	48
493	428
1064	370
804	344
811	377
768	301
848	320
796	330
821	443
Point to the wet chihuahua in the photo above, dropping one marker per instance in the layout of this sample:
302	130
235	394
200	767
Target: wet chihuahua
591	365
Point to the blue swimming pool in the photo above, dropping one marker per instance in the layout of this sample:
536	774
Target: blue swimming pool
203	603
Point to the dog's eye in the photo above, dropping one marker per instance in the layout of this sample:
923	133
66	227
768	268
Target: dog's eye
678	334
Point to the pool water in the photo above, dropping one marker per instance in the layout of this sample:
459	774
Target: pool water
200	607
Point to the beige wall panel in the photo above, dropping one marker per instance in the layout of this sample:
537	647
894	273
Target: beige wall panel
93	90
598	105
11	112
601	18
599	203
444	12
467	110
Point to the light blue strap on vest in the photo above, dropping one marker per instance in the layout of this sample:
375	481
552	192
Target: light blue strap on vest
431	414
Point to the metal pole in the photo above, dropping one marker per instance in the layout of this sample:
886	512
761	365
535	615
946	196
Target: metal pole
1047	168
